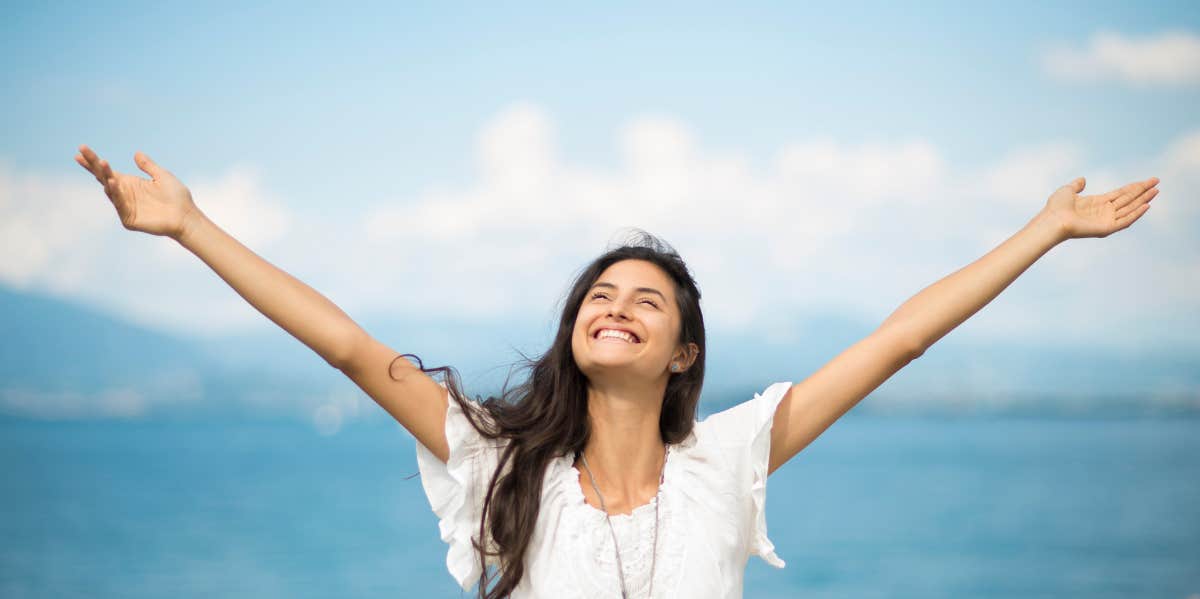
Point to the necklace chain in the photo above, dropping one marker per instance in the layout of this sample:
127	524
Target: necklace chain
654	549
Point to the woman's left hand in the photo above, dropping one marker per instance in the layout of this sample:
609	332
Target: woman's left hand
1099	215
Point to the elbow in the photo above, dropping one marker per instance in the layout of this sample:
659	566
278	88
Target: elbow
342	355
914	346
910	345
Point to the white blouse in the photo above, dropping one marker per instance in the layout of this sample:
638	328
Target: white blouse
711	520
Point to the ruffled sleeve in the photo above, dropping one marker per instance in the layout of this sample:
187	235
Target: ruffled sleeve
743	436
456	489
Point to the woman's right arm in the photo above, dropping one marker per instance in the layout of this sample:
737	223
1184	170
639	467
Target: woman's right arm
414	399
163	206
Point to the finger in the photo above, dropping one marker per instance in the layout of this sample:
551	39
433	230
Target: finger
1128	193
1131	217
1133	191
110	188
98	171
83	160
94	163
113	190
89	155
149	166
1116	193
106	171
1142	199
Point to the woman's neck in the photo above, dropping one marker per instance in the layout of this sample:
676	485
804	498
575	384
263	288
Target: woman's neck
625	450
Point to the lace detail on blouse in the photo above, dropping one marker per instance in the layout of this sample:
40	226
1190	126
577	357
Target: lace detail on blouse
593	565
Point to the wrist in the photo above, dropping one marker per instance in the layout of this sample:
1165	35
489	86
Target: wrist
1050	227
192	220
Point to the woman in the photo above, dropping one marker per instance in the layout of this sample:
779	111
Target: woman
593	478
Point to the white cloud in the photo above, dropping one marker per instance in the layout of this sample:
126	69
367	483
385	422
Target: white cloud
1032	172
1169	58
489	237
823	225
826	225
1180	168
870	173
241	205
1134	290
43	220
516	151
60	233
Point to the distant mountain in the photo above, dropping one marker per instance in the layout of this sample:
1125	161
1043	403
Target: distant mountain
971	378
60	359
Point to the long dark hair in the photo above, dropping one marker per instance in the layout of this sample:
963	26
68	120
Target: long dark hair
546	415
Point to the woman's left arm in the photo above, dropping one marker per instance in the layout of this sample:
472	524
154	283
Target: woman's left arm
814	404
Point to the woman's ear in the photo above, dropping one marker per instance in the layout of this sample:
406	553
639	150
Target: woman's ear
685	357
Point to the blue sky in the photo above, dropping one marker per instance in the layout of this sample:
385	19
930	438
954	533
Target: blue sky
461	161
750	77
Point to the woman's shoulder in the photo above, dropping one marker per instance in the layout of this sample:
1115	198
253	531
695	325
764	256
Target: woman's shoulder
741	423
724	465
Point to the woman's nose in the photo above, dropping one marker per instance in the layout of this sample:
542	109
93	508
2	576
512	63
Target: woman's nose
619	308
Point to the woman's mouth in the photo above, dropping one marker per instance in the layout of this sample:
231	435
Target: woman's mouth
617	335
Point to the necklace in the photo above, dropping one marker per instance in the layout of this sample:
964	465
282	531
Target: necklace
654	549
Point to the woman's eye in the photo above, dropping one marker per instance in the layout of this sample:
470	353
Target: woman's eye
599	295
651	302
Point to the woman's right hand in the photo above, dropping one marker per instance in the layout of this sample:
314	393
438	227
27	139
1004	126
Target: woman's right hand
159	206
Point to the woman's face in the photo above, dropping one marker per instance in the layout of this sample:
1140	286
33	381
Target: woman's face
628	323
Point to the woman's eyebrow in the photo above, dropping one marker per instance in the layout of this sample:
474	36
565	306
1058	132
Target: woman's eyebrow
639	289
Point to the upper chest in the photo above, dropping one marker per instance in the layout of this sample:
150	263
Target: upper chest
683	544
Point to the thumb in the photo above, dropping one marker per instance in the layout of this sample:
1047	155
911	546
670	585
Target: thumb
149	166
1078	184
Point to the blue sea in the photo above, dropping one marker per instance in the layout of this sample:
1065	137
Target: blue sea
875	507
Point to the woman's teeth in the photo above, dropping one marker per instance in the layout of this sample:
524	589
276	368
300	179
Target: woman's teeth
610	333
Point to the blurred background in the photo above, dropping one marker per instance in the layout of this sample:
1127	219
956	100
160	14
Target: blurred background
441	171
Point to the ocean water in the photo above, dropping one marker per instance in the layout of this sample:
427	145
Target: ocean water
876	507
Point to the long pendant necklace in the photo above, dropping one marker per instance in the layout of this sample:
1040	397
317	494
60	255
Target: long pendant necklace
654	548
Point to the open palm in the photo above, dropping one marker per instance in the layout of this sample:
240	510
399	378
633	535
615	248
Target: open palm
159	205
1103	214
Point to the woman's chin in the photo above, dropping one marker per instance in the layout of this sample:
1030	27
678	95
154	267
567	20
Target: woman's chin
613	368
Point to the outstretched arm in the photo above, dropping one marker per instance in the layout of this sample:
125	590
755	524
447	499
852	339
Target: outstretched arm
163	206
814	404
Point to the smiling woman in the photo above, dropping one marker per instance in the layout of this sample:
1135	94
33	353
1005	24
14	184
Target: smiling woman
672	507
617	388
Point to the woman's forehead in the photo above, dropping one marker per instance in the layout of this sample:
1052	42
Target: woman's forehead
633	274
